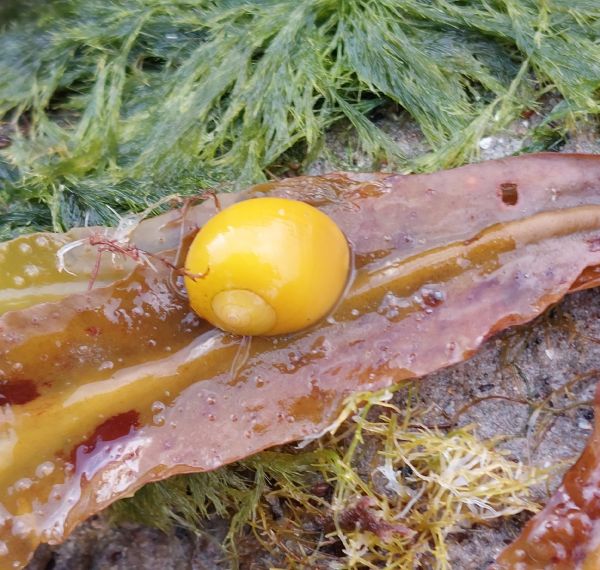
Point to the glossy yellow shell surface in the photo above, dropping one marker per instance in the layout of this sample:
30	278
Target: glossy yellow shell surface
271	266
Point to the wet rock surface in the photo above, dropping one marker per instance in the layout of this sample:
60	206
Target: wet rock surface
534	385
96	545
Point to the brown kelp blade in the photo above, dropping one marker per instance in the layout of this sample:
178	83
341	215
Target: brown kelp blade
106	390
566	534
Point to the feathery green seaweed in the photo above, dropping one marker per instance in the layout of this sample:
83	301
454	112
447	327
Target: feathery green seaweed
111	105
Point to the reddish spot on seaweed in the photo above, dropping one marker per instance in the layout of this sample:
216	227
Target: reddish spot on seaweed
93	331
113	428
527	113
508	192
17	392
363	515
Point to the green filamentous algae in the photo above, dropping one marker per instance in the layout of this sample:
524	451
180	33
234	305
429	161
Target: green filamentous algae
107	106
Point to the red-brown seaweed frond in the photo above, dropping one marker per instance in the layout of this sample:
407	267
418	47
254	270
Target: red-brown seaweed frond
443	263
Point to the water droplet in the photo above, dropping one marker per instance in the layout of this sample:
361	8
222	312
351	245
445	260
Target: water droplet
210	401
391	306
20	529
290	419
41	241
17	366
44	469
158	407
211	417
25	248
260	382
32	270
106	365
152	343
23	484
355	312
233	418
18	280
432	297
